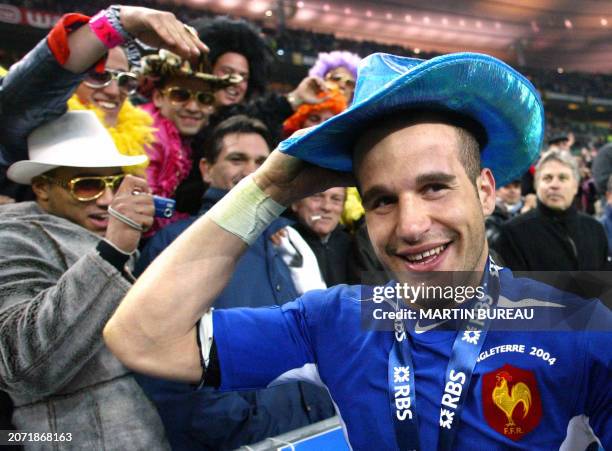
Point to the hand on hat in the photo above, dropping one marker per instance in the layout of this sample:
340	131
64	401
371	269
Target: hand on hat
133	202
162	29
287	179
308	91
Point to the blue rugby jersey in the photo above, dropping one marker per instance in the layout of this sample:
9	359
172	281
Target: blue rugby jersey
529	390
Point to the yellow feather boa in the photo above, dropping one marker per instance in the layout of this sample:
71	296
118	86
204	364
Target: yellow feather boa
134	130
353	210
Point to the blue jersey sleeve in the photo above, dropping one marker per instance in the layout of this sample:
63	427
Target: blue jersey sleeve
598	400
258	347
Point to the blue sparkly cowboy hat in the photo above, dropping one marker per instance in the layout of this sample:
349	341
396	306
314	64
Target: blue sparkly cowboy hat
478	86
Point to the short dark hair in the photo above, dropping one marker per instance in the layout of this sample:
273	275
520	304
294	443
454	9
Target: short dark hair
213	143
471	134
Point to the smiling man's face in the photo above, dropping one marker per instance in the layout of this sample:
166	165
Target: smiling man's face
189	116
321	212
241	154
57	200
108	99
423	211
228	64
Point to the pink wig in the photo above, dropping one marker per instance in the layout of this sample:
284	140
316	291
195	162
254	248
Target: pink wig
338	58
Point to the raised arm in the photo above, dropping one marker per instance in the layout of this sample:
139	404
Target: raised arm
37	88
153	330
55	299
153	27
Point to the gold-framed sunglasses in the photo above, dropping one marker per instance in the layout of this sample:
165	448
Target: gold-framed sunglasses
126	81
179	96
85	189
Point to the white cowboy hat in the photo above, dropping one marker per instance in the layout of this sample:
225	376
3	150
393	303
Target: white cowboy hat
76	139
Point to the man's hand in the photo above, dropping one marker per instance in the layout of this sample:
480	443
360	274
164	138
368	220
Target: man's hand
161	29
287	179
277	237
154	28
308	91
133	201
529	203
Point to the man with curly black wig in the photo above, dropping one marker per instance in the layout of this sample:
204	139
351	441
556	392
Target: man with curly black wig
236	47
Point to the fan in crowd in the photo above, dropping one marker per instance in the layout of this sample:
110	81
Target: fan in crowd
79	164
235	148
337	68
107	94
554	236
509	204
238	48
65	258
182	100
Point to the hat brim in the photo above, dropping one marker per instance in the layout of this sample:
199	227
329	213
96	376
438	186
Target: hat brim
24	171
479	86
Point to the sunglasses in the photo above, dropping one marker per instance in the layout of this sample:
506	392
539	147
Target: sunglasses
179	96
127	81
348	81
88	188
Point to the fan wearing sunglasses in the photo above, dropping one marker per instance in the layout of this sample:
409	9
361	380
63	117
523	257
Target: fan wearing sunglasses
109	89
181	102
38	87
106	92
339	70
62	258
63	270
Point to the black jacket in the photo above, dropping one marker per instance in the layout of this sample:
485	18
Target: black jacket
550	240
332	255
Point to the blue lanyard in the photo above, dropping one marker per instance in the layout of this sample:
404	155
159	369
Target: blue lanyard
465	351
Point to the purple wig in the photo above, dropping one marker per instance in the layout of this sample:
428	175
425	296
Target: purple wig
338	58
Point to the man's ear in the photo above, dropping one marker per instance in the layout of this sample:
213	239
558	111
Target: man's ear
485	184
41	188
205	170
157	98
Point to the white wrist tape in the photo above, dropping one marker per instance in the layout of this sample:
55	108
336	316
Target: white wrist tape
245	211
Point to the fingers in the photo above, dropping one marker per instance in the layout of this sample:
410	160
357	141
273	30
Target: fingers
310	88
179	38
132	183
193	35
320	84
162	29
277	236
139	207
133	200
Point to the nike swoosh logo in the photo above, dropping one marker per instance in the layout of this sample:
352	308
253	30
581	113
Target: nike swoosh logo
422	329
